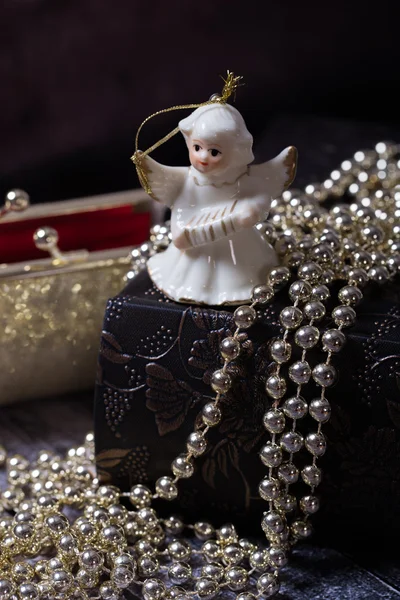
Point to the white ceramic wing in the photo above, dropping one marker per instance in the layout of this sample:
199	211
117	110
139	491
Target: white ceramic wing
279	172
165	182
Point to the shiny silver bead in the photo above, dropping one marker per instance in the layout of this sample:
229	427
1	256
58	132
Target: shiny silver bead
144	548
148	565
325	375
311	475
6	589
153	589
61	580
275	386
300	290
316	444
310	271
122	577
24	531
146	516
206	588
28	591
268	585
350	295
54	564
321	253
307	336
173	525
280	351
244	317
247	546
113	535
286	503
232	554
333	340
344	316
372	234
196	443
309	504
314	310
227	534
273	521
180	572
327	276
300	372
211	550
278	277
294	259
140	496
203	531
277	557
393	263
269	489
125	560
358	277
230	348
267	230
301	529
320	293
16	200
211	414
166	488
285	244
288	473
291	317
295	407
182	467
179	550
292	441
109	592
91	560
320	410
262	294
221	381
246	596
57	523
274	421
378	257
378	274
362	259
213	571
259	559
330	238
271	455
236	578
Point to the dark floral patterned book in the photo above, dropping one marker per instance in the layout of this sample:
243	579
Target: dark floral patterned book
155	363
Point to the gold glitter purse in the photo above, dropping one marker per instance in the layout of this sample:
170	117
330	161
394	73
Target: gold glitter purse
51	309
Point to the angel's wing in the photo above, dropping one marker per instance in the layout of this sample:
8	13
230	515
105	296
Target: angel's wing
165	182
279	172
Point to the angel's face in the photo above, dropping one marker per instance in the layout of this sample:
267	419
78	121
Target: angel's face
206	157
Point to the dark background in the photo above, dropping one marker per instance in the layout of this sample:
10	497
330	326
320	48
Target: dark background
77	77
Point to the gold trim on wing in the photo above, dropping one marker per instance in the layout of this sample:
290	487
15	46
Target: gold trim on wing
290	164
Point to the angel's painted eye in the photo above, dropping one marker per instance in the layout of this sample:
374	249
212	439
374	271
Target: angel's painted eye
197	147
215	152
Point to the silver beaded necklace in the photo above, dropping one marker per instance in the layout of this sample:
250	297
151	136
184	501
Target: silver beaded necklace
64	535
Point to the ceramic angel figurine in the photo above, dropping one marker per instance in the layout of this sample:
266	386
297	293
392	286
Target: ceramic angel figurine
217	255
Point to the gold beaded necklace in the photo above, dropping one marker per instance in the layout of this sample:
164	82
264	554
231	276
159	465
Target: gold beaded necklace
65	536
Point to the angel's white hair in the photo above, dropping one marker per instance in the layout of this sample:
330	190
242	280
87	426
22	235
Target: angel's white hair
223	122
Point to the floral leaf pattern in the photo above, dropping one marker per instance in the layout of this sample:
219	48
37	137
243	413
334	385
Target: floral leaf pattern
111	350
168	398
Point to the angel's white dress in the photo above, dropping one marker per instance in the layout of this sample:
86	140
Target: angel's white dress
221	255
